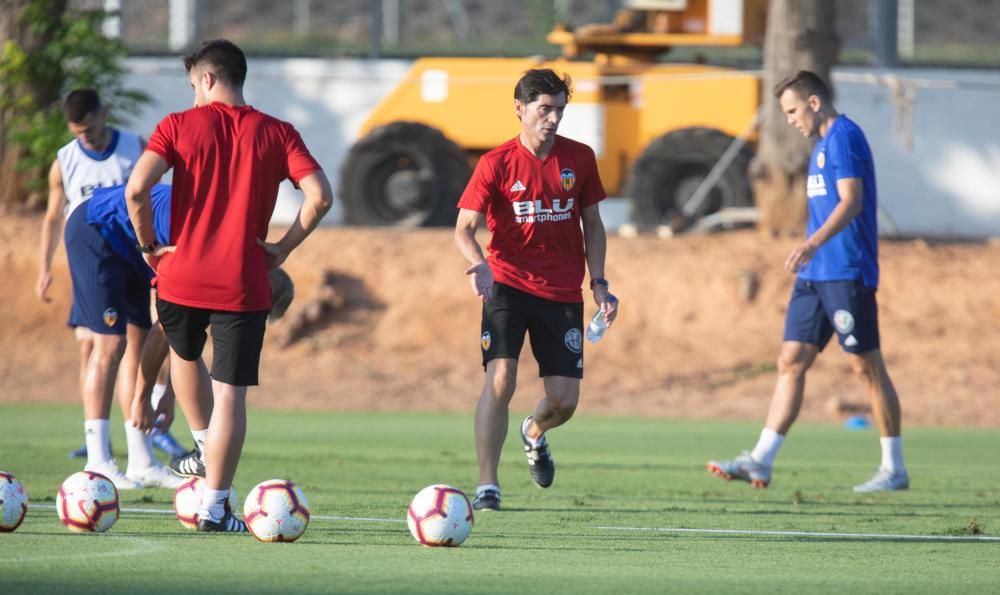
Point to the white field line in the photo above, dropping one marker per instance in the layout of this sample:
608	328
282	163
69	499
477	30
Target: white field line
821	535
134	546
312	516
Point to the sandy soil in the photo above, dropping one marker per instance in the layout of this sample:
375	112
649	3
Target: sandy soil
399	329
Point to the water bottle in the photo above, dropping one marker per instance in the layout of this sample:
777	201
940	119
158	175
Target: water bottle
597	326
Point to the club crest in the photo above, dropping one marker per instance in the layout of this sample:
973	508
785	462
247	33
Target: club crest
843	321
568	179
574	340
110	317
485	341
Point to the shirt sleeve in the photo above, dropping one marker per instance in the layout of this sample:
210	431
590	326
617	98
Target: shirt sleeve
299	162
593	189
844	157
479	190
163	140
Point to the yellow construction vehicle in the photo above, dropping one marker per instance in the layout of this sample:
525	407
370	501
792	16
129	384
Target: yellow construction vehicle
657	129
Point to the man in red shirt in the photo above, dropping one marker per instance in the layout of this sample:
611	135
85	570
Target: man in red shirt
228	160
532	192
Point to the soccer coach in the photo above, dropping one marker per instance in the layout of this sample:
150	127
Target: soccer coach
228	160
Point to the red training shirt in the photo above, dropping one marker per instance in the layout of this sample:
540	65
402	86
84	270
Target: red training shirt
533	209
228	161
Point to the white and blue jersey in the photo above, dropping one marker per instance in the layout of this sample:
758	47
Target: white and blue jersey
852	254
83	170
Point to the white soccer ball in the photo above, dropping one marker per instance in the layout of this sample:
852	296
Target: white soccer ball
440	515
276	510
187	501
87	502
13	502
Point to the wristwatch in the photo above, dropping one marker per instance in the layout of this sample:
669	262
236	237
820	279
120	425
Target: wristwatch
147	248
599	281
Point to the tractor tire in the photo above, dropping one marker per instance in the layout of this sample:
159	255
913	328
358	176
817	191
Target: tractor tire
668	172
403	174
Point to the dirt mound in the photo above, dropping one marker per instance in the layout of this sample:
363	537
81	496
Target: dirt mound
701	322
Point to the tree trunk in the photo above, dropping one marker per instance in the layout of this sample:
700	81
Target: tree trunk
800	36
43	92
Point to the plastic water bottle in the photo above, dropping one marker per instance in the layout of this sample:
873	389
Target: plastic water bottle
597	326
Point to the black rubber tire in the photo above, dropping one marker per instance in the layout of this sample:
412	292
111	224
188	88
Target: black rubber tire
670	169
403	174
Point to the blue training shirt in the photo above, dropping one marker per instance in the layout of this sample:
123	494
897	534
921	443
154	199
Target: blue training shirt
107	211
852	254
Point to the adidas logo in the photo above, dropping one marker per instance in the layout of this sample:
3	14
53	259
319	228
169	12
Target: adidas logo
518	187
851	341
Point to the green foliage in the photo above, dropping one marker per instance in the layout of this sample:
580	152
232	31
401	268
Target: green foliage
76	55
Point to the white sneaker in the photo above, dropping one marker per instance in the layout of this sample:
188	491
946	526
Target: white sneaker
155	476
885	480
110	470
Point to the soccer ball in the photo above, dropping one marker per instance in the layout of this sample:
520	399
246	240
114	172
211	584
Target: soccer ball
440	515
13	502
276	510
87	502
187	501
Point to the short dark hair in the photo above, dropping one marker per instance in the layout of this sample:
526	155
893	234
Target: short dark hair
79	104
224	58
804	83
542	81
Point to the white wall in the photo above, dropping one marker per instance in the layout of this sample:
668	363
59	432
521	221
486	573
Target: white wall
946	184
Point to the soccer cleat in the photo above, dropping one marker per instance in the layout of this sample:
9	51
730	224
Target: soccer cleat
743	468
166	442
885	480
110	470
189	465
156	476
227	524
540	463
487	500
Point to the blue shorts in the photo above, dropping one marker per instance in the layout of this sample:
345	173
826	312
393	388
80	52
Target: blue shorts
107	292
817	309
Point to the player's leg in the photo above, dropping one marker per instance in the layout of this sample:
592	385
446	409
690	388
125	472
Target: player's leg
556	333
85	343
853	310
237	340
807	331
504	324
492	417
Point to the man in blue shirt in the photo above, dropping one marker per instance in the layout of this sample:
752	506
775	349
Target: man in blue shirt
837	276
111	298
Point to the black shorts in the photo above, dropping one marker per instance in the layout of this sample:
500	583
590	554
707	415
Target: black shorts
555	330
237	338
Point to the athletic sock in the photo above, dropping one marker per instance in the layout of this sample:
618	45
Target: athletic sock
213	504
95	432
158	391
535	442
487	486
140	448
767	447
199	441
892	453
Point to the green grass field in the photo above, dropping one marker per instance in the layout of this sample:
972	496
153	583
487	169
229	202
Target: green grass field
621	483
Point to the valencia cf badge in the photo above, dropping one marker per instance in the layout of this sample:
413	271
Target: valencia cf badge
568	179
485	341
110	317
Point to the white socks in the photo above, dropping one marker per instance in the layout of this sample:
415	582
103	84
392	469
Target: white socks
767	447
140	448
158	391
213	504
95	432
199	441
892	454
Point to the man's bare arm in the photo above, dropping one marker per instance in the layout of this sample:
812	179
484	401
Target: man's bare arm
51	226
